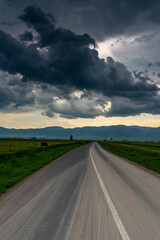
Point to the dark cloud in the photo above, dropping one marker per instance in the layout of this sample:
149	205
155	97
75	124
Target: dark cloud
13	2
105	18
100	19
26	36
10	24
157	64
122	107
154	13
70	62
150	64
44	25
16	57
141	75
79	65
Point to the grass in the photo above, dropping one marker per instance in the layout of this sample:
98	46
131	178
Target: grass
143	153
9	146
19	158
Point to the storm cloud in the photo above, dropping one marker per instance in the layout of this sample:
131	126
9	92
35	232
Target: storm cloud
101	18
26	36
69	62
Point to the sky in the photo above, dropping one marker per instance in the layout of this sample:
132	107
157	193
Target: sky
79	63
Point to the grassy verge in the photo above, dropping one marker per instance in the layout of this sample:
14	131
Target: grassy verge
17	165
145	154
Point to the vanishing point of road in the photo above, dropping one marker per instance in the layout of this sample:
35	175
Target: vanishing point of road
88	194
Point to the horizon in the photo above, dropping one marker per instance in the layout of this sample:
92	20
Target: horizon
82	127
79	64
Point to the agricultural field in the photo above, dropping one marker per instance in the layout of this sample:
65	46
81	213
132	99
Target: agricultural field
10	146
144	153
19	158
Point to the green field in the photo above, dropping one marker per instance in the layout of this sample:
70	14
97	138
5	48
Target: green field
144	153
19	158
9	146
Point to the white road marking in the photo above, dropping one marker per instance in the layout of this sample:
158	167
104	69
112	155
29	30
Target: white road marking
116	217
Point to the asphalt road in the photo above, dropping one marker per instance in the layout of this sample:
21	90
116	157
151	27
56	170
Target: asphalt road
87	194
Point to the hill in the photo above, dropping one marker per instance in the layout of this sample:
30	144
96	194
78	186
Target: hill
119	132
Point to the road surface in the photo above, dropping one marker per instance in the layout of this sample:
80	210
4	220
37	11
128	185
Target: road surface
88	194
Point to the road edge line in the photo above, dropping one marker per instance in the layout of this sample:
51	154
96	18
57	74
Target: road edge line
115	215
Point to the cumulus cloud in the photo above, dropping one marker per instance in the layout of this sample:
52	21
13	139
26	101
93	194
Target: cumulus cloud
81	83
137	52
79	105
15	96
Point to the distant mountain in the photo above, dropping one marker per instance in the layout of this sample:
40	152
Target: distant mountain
120	132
